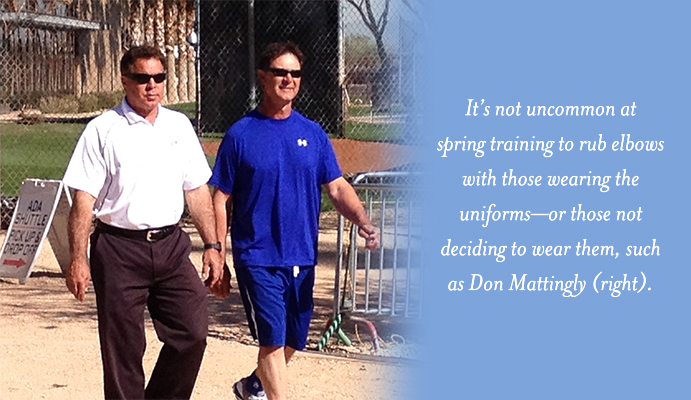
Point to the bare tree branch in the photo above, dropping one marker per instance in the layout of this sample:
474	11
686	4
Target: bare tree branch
370	15
384	18
376	25
358	7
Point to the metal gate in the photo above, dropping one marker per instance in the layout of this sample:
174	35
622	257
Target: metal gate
386	281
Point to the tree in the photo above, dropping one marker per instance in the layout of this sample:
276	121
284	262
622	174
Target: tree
171	20
10	5
135	23
149	14
191	74
182	46
359	50
381	98
376	25
87	69
159	24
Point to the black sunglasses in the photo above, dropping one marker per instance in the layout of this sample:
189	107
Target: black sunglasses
297	73
145	78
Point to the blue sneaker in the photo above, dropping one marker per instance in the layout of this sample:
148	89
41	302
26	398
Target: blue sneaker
242	392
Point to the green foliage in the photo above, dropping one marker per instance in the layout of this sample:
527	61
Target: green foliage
100	101
88	102
360	49
59	105
70	104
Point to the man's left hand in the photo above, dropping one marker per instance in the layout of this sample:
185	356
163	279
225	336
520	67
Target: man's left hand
371	236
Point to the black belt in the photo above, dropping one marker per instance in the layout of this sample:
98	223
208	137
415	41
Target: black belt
145	235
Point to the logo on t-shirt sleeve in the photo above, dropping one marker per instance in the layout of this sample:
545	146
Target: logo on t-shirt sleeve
302	142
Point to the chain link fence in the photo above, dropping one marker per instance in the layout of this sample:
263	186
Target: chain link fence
359	75
59	67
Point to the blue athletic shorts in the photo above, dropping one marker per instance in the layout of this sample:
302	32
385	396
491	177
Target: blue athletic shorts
278	303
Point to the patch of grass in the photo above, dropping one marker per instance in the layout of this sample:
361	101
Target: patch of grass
359	111
366	110
34	151
43	150
189	109
373	132
40	151
212	136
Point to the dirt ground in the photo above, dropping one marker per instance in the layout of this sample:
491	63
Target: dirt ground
49	343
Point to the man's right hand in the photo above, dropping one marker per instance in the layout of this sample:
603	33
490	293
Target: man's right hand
78	275
77	279
222	289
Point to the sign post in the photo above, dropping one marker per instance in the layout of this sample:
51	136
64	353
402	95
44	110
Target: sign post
33	216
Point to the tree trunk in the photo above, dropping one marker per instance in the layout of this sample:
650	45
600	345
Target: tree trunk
171	19
183	96
50	5
134	22
76	59
117	16
160	26
380	80
11	5
191	75
92	79
104	54
10	72
149	22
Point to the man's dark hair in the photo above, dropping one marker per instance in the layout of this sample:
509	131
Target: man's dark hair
138	53
274	50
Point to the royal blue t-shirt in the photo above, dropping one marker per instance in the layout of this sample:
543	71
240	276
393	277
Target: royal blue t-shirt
274	169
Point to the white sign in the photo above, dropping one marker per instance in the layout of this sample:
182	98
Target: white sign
32	217
58	233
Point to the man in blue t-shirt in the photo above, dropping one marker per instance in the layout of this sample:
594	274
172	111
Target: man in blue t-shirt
271	166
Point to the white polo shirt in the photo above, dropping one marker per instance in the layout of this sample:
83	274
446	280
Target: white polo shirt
138	171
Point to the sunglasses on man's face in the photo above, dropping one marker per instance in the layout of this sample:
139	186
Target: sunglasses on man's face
145	78
297	73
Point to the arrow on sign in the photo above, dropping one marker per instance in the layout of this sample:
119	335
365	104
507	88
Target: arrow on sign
16	263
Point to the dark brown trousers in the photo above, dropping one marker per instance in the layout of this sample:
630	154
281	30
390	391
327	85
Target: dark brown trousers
129	275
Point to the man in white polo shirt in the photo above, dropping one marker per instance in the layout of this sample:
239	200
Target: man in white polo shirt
133	168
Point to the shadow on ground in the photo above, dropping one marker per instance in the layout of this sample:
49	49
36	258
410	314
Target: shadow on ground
45	296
